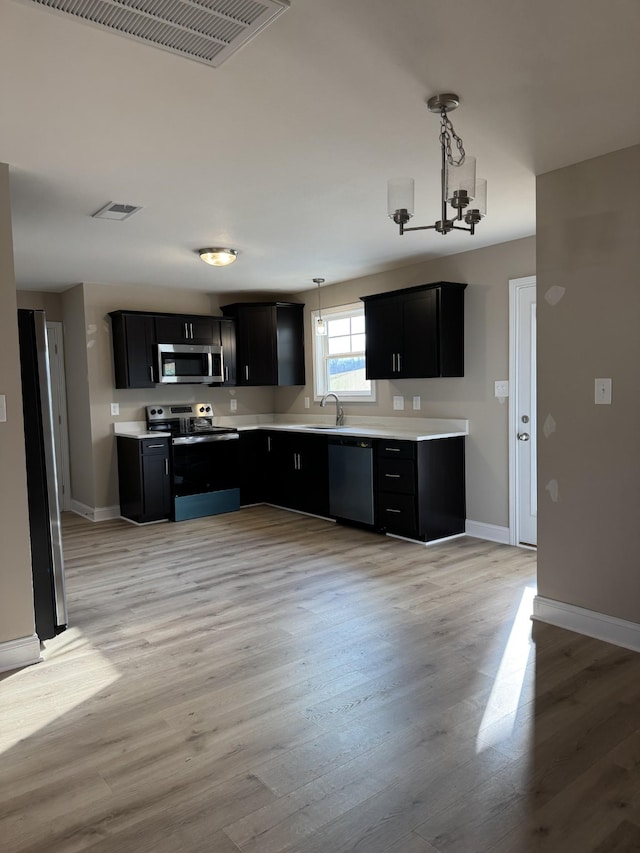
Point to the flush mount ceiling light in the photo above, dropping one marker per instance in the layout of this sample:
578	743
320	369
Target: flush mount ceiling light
458	184
321	326
217	256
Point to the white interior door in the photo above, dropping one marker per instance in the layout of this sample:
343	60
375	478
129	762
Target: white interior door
523	438
59	410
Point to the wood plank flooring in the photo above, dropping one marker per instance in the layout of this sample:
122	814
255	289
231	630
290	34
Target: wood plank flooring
266	682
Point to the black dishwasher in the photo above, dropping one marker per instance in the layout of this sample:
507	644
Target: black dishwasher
351	479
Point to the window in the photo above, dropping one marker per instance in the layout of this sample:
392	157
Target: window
338	361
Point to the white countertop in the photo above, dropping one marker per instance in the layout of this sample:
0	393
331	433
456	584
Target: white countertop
401	429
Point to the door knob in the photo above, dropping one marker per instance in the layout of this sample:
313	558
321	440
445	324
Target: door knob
523	436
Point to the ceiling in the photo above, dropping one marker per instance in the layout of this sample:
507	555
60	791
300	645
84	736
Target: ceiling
283	152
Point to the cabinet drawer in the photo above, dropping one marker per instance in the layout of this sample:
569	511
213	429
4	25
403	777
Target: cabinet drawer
396	475
151	446
397	513
392	449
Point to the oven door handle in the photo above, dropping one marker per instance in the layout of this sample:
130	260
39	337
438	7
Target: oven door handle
203	439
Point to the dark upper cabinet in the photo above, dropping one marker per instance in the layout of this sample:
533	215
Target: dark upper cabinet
133	336
187	329
270	342
415	333
229	354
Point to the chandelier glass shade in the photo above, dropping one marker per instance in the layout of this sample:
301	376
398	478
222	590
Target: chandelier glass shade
460	190
218	257
320	326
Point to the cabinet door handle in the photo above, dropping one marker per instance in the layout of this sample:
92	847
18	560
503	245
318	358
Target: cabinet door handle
191	330
398	362
166	467
299	462
393	362
393	449
226	374
268	444
246	372
186	331
150	446
399	511
393	476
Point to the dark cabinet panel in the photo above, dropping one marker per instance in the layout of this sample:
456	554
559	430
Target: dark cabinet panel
415	333
421	487
190	329
253	459
144	481
229	351
298	472
133	351
270	342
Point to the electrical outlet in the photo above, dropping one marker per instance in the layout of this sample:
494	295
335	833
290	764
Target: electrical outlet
398	404
416	404
307	402
115	408
3	407
501	388
234	405
603	392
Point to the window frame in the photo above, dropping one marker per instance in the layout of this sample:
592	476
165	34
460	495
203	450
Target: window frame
319	353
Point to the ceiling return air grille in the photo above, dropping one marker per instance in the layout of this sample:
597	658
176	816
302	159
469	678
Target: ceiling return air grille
208	31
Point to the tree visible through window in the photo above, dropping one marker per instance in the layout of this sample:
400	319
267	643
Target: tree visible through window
339	361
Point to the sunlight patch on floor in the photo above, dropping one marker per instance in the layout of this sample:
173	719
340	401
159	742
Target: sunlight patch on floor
42	693
500	714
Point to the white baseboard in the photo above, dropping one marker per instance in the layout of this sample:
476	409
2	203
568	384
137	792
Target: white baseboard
99	513
492	532
14	654
588	622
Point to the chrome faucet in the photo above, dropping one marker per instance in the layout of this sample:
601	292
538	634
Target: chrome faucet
339	411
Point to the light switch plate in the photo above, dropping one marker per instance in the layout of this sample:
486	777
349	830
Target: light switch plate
416	404
115	408
603	392
234	405
398	404
3	408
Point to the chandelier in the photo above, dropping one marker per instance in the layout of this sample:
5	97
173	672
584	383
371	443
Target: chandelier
458	185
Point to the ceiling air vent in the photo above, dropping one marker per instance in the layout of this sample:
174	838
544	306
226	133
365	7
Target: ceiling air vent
208	31
114	210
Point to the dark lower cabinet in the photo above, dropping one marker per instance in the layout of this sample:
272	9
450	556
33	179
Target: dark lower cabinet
298	472
420	487
253	458
144	480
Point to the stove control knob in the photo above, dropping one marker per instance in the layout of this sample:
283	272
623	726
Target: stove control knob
153	411
160	411
201	409
208	409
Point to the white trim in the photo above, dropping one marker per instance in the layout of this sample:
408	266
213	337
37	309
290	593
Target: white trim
100	513
514	285
491	532
318	353
588	622
14	654
422	542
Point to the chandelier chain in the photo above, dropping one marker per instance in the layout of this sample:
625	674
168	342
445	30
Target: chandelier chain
446	134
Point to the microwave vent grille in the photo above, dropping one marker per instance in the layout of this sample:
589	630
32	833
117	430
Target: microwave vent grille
207	31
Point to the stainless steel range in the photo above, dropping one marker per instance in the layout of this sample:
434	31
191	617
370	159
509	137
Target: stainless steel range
204	459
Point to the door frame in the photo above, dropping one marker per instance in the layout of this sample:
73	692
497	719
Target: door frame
515	284
55	336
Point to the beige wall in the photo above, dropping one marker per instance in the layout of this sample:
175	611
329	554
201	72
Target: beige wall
88	333
16	597
589	538
487	273
50	303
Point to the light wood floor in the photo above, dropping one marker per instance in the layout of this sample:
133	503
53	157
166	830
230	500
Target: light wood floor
264	682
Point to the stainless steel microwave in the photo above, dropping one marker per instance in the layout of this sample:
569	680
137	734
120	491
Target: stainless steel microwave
189	363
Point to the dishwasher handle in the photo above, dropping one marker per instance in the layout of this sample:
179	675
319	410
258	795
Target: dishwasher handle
351	441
